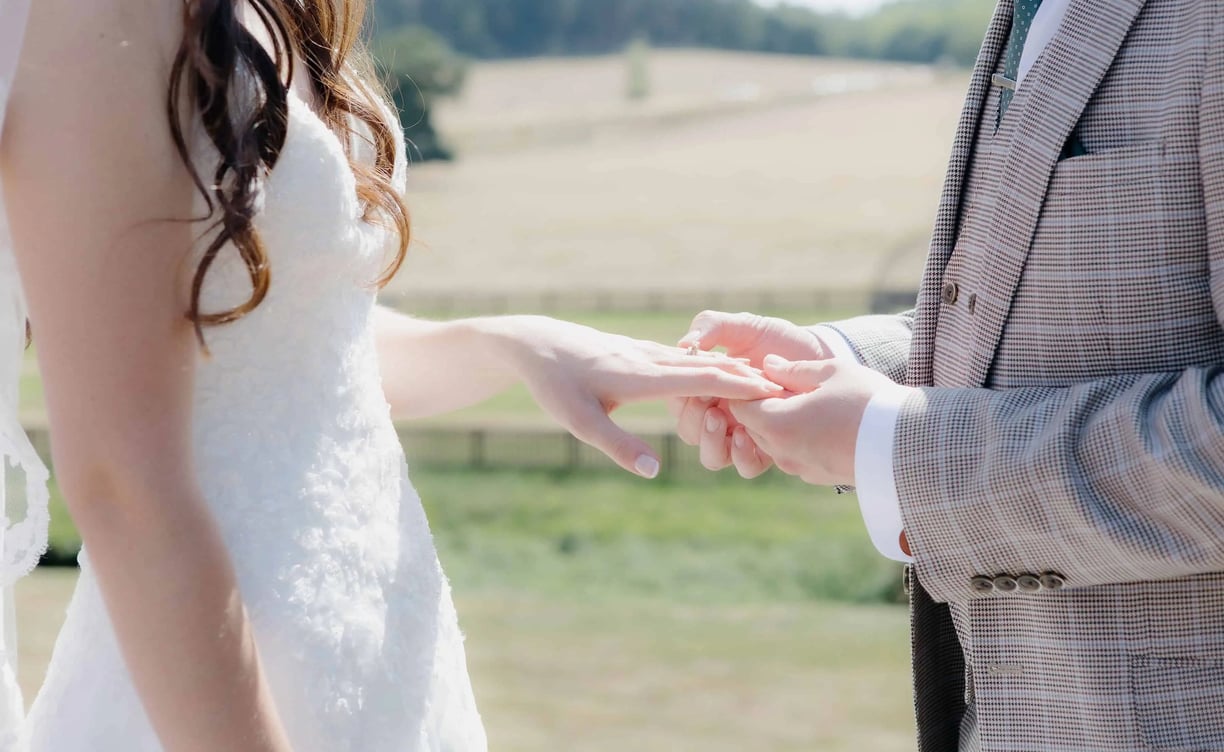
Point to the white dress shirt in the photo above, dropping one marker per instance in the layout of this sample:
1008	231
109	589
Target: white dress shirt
873	465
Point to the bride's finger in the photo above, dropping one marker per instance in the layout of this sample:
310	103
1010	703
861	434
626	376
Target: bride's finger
740	366
715	444
681	355
688	423
707	382
748	459
676	405
592	425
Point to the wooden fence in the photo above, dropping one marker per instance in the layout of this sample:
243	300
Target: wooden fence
501	447
647	300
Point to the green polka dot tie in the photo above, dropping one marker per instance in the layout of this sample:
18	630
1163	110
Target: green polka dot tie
1022	21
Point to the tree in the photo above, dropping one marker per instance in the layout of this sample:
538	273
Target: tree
419	67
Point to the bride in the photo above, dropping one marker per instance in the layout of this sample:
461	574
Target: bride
204	197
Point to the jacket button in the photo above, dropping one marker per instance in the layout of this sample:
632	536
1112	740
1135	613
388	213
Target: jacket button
1028	583
1052	581
982	585
1005	583
951	292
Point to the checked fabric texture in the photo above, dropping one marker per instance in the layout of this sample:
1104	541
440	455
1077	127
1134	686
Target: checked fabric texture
1068	343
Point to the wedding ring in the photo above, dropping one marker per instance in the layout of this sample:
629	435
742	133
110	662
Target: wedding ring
695	348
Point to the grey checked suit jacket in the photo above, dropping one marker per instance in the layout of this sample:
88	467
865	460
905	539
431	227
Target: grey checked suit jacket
1069	346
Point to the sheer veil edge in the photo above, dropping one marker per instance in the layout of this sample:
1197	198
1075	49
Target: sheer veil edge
23	493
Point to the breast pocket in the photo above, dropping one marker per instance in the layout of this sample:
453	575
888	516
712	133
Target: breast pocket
1122	242
1179	703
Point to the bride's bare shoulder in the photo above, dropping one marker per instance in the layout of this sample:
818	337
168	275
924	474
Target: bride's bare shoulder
111	37
94	60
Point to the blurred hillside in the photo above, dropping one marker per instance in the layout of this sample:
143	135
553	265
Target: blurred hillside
923	31
742	172
423	45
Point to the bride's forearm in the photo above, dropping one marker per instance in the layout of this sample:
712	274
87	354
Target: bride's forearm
429	367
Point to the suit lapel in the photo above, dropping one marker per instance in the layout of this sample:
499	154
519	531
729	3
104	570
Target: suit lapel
1045	111
948	218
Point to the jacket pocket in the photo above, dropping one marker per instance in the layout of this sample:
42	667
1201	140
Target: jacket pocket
1179	703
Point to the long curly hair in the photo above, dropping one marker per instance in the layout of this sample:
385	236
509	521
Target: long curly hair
217	63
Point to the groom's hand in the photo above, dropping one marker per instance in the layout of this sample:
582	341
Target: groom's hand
706	423
813	433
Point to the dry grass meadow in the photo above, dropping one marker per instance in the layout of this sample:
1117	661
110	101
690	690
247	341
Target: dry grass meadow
562	184
740	172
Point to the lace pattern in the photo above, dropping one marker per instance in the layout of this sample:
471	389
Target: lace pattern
23	536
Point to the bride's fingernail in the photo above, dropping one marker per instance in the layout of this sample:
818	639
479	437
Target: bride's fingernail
712	425
740	441
647	466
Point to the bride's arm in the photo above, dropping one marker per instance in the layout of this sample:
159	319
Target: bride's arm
90	177
432	367
577	374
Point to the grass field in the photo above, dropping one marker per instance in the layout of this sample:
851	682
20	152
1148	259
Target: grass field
605	612
714	539
607	675
832	192
608	613
518	104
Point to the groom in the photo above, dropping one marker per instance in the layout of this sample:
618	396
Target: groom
1045	431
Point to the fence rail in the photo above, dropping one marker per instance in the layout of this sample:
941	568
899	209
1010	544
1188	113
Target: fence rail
501	447
647	300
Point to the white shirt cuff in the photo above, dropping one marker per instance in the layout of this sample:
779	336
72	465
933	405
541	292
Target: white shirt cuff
873	472
835	342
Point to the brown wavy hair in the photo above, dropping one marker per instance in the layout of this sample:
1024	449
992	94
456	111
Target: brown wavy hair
217	63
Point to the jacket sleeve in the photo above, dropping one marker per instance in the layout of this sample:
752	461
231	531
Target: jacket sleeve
882	342
1109	481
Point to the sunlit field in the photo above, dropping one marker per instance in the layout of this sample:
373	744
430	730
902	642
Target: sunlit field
832	191
607	675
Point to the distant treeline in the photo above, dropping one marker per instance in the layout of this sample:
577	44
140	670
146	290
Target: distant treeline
925	31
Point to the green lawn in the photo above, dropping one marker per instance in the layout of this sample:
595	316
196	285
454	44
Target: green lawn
596	535
646	674
593	534
606	613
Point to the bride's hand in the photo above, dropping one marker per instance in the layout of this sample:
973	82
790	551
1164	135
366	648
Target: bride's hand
579	375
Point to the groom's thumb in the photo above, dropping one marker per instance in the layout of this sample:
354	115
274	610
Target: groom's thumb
801	376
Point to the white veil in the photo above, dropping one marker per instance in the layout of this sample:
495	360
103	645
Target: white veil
23	492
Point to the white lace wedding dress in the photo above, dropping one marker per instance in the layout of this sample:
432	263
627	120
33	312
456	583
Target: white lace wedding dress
303	470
